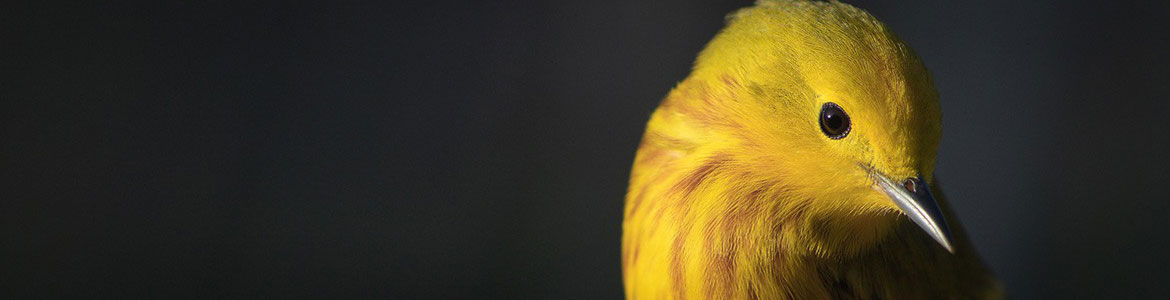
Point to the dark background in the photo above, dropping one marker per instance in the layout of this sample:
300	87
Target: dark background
473	149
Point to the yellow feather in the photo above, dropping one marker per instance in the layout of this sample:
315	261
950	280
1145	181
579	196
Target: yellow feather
737	194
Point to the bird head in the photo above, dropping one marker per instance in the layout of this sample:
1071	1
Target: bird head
822	113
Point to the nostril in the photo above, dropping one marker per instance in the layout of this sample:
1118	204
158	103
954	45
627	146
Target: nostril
911	185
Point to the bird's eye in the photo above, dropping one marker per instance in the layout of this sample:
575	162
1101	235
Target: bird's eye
834	121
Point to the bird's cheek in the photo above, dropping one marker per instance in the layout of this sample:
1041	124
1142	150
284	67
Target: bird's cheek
879	202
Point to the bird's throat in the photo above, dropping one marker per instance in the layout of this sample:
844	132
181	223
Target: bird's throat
838	237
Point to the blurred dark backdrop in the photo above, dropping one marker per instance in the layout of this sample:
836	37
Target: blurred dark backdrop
473	149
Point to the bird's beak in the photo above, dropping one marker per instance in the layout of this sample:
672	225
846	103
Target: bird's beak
914	199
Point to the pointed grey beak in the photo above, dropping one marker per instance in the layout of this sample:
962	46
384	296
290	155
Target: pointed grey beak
913	197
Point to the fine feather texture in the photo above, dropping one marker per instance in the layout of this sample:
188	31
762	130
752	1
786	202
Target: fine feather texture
736	194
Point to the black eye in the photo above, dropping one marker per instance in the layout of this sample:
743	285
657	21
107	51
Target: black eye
834	121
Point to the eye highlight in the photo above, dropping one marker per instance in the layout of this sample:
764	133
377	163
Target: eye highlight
834	122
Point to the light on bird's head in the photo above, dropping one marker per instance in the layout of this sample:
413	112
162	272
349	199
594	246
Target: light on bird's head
826	108
911	195
907	191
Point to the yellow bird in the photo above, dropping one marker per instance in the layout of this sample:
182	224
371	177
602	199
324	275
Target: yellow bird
795	162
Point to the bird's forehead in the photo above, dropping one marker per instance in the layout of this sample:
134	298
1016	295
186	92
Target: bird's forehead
883	85
826	52
831	47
